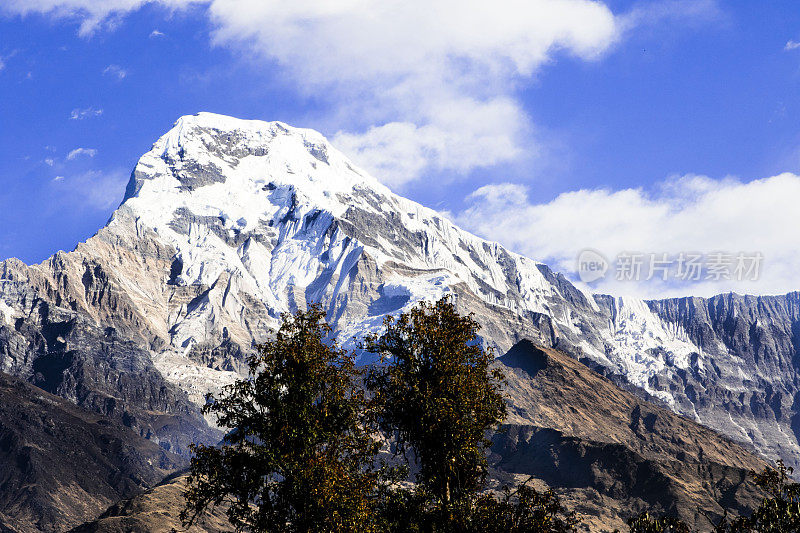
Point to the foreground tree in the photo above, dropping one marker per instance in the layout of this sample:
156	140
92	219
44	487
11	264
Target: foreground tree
779	511
439	397
647	523
298	455
525	510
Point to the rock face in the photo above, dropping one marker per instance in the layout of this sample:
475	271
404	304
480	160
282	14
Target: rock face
749	387
67	353
227	223
610	453
62	465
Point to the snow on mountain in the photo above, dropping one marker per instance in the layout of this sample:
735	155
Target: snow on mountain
228	223
286	219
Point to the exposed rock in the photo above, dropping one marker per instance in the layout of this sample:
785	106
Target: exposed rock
610	453
156	511
63	353
62	465
749	349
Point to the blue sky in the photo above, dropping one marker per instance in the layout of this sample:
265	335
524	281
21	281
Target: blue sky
638	97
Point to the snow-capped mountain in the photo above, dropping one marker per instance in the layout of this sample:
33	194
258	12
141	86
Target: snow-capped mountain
267	218
228	223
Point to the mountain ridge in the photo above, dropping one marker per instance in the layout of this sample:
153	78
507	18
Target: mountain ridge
228	223
63	465
611	454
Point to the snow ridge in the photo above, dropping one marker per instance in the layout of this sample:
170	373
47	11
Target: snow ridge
269	217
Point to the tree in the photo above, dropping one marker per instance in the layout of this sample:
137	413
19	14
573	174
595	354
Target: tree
298	455
778	512
524	510
645	523
439	397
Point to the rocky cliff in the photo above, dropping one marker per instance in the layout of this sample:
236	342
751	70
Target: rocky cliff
61	465
227	223
611	454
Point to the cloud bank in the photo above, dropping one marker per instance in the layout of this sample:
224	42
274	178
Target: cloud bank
684	214
424	85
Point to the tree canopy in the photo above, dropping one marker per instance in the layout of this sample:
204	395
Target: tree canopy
299	455
438	395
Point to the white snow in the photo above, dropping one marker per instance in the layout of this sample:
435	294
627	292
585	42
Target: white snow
275	194
7	313
285	188
641	343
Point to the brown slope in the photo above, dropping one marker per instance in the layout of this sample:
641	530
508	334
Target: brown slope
155	511
611	453
61	465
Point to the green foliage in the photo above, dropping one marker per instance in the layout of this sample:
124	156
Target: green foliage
299	454
645	523
779	511
525	510
438	396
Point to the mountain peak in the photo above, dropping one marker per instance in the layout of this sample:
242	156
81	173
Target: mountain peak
253	132
221	156
276	217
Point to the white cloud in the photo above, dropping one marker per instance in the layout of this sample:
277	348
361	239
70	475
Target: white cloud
80	114
429	84
93	190
92	14
682	12
77	152
443	70
4	58
791	45
115	71
49	161
686	214
155	34
464	135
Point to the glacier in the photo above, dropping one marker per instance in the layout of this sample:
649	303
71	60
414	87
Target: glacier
228	223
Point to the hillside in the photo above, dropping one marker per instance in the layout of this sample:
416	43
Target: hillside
62	465
611	453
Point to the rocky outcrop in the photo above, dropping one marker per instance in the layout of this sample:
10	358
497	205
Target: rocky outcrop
748	385
610	453
63	465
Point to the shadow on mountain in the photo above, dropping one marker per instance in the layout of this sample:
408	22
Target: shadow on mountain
61	465
609	453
